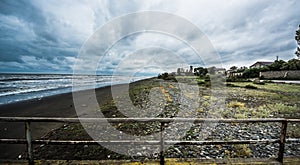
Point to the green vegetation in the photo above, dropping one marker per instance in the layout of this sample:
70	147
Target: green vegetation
166	76
236	104
238	110
297	38
277	65
200	71
268	100
250	87
242	151
231	85
272	87
251	73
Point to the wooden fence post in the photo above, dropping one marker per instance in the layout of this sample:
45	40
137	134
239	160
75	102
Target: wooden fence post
162	143
29	143
282	141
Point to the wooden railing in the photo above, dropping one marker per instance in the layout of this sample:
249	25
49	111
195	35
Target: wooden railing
162	142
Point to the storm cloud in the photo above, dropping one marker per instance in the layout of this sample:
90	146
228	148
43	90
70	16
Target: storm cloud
46	36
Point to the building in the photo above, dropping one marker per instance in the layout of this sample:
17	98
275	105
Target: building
221	71
237	72
260	64
234	73
183	72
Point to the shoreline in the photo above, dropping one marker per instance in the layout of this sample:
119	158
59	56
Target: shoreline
8	106
60	105
39	94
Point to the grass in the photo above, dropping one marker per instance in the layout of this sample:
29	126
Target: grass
270	100
236	104
250	87
269	93
241	151
274	87
238	110
293	130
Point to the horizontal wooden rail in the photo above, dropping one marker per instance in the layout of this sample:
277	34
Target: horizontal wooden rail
80	142
147	142
161	142
133	120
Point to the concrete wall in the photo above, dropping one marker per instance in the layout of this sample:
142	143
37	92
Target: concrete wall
287	74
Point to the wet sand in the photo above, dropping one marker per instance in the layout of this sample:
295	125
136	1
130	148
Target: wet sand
53	106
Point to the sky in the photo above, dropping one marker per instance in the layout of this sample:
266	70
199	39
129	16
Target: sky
48	36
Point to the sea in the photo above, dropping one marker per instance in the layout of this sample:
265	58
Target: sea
20	87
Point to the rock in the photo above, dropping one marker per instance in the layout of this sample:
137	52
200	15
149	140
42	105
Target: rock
178	151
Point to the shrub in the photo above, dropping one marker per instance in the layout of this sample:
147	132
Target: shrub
251	73
231	85
283	109
259	83
237	79
250	87
232	79
166	76
200	82
242	150
240	116
207	84
236	104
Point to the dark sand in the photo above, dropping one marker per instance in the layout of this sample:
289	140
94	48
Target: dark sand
53	106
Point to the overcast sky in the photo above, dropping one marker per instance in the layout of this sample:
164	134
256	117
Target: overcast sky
46	35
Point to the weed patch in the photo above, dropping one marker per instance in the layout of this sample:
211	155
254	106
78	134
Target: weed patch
236	104
250	87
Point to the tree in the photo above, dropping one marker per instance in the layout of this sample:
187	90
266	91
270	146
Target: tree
178	70
241	69
277	65
191	69
233	68
251	73
292	64
297	38
200	71
167	76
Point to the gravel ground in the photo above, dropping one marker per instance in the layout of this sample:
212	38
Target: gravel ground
169	99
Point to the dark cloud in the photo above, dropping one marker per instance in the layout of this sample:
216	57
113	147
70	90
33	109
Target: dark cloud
26	31
47	35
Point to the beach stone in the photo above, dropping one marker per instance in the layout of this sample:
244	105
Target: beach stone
178	151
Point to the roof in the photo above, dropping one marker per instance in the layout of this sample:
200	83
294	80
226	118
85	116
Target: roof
262	63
